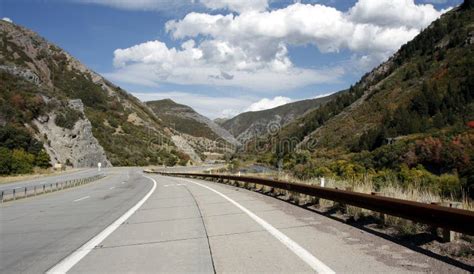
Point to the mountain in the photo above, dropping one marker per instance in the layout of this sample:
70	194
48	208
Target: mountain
200	133
250	124
426	86
220	121
53	107
410	120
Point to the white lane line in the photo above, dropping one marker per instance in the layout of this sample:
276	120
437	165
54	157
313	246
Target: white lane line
67	263
304	255
83	198
123	183
112	188
175	185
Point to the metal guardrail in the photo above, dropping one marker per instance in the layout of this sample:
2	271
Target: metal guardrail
454	219
30	191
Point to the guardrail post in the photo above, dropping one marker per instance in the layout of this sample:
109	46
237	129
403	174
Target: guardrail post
381	216
342	206
2	196
35	190
448	235
44	187
25	192
14	194
322	181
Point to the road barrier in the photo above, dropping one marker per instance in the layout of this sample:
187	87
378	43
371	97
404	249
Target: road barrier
28	191
452	219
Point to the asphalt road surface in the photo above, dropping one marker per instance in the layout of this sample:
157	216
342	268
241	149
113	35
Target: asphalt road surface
50	179
135	222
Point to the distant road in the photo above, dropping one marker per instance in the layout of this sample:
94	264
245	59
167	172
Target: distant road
187	225
50	179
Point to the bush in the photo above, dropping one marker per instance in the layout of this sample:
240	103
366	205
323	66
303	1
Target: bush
21	161
5	160
42	160
68	118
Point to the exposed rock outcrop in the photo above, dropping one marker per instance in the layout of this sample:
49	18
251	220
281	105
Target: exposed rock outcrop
76	147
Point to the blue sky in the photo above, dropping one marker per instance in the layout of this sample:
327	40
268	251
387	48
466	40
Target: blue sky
223	57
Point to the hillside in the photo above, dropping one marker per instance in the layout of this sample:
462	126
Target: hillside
186	120
72	114
407	120
247	125
198	134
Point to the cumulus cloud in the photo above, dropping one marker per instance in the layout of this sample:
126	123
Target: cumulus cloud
266	103
401	13
212	62
6	19
250	49
237	5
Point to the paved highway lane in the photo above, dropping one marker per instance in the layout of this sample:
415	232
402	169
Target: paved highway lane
51	179
197	226
36	233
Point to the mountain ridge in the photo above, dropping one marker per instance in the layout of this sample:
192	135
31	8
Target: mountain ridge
248	125
39	79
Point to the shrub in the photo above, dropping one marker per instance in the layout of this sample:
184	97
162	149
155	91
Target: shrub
5	160
21	161
68	118
42	159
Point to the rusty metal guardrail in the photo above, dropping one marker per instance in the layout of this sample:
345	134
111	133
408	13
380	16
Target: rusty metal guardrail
30	191
454	219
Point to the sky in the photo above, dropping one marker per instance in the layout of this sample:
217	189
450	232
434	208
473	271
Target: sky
224	57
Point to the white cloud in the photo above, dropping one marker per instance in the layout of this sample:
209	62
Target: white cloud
266	103
7	19
250	49
400	13
212	62
237	5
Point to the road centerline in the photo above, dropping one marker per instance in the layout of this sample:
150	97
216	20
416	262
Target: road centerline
83	198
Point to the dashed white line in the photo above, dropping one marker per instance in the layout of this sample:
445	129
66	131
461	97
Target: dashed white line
67	263
298	250
83	198
112	188
123	183
174	185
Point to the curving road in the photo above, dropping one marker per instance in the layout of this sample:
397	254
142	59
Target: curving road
50	179
187	225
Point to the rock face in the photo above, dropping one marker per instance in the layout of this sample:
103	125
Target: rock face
183	146
26	74
76	147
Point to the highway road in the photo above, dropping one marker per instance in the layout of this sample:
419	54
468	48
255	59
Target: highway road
135	222
50	179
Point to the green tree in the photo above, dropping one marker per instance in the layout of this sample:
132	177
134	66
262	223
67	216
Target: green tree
42	159
5	160
22	161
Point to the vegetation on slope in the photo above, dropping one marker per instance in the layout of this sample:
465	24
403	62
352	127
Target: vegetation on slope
178	117
138	141
406	120
287	113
